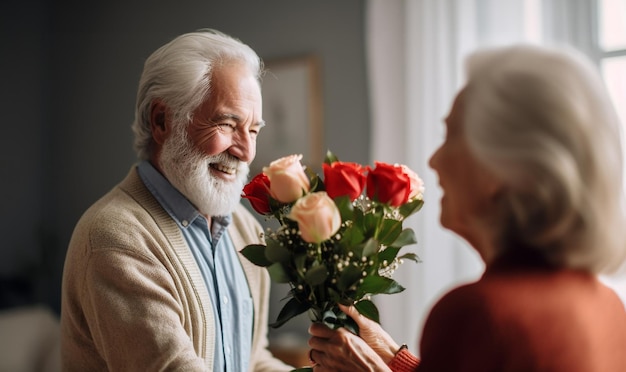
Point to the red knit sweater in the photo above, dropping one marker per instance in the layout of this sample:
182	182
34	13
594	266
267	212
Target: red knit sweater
526	321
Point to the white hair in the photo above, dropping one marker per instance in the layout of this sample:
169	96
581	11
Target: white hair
179	74
541	120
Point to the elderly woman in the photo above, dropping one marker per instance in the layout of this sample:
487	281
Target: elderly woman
531	170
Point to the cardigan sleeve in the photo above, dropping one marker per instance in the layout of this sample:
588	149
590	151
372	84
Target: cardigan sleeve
131	312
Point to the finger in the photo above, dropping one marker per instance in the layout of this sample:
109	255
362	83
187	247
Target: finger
352	312
320	330
315	357
321	368
317	343
311	357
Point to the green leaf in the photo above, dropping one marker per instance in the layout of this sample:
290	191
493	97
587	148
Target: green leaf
330	157
316	275
316	183
255	253
410	208
340	319
277	273
334	295
378	284
370	221
349	275
350	325
334	318
329	317
291	309
276	207
411	256
358	219
388	254
346	209
368	309
277	252
406	237
352	236
370	248
389	231
300	261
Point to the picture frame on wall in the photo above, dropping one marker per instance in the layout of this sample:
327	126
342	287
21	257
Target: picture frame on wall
292	110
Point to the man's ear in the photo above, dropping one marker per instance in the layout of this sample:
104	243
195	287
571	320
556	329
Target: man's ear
160	122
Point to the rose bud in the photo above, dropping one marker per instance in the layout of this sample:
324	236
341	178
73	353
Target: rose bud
317	216
388	184
288	182
344	179
257	191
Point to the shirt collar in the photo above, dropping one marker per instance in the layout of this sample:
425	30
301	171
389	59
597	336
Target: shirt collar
175	203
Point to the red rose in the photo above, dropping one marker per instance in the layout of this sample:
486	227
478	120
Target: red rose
257	192
344	179
388	184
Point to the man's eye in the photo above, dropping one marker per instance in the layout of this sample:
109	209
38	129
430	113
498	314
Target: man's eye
226	127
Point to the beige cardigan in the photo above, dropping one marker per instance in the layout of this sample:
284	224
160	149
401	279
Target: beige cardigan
133	297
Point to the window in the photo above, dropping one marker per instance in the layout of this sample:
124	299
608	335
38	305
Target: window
611	47
610	44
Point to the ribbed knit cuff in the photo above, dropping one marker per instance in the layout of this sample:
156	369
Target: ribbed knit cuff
404	361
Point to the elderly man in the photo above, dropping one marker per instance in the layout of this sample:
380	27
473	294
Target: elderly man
153	279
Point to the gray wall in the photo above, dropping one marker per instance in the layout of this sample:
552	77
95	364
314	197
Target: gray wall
69	76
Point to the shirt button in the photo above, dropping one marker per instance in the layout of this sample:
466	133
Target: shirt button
225	299
185	223
227	350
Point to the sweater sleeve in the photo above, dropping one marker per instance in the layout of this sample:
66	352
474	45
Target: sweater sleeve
404	361
133	316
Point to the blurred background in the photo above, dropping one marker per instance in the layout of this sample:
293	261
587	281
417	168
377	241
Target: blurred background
385	73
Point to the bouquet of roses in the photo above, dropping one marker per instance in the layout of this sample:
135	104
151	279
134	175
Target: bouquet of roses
339	238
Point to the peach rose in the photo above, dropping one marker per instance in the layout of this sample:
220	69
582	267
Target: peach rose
288	182
317	216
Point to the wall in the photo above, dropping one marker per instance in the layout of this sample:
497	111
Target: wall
70	71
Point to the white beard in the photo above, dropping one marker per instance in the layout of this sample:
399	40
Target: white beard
189	171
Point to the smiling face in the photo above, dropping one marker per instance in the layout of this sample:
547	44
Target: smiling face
207	160
469	190
230	119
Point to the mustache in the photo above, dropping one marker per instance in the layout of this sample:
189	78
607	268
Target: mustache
229	161
225	158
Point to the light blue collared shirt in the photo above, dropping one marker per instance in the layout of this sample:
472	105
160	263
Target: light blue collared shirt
220	267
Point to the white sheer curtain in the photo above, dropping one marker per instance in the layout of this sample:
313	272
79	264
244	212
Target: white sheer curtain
415	53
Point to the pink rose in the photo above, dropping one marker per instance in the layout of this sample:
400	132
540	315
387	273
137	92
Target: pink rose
288	182
417	185
317	216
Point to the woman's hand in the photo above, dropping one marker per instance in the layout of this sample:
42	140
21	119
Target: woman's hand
340	350
373	334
